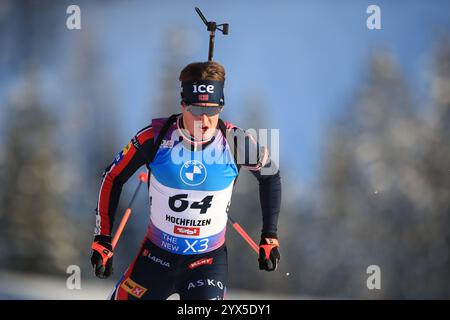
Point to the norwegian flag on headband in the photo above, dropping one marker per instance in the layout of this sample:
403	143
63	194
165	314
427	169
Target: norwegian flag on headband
203	97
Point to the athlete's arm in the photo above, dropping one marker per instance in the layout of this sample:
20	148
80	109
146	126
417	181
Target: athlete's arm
126	163
258	161
270	200
268	176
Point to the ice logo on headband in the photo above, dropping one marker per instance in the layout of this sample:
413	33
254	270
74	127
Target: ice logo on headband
200	88
203	88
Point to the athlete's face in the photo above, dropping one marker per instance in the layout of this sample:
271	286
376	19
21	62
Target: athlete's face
200	127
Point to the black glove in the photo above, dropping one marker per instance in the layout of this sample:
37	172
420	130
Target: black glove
269	256
102	256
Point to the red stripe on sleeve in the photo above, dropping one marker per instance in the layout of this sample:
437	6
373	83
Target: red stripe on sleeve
145	135
105	191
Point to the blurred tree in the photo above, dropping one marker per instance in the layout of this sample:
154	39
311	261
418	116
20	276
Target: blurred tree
20	40
435	170
175	51
378	200
36	235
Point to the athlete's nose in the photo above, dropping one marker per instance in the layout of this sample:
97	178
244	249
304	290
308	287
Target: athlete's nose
204	118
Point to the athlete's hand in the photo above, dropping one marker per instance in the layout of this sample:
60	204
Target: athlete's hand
102	256
269	256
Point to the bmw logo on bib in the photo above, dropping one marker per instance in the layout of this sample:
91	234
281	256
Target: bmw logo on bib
193	173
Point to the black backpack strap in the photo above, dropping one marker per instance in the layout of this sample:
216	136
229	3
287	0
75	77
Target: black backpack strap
158	142
231	143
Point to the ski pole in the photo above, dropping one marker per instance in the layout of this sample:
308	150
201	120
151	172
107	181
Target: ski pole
247	238
142	178
244	235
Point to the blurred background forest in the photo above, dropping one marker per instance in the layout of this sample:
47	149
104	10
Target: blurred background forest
366	182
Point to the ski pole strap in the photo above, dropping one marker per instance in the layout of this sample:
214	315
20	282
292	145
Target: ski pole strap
104	252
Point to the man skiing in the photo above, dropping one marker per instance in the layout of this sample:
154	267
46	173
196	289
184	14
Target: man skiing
193	160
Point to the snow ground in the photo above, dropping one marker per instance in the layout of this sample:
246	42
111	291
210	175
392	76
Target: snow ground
15	285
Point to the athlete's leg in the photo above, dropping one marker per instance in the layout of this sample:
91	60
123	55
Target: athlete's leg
149	277
205	276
